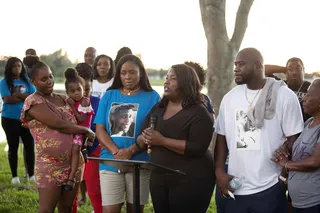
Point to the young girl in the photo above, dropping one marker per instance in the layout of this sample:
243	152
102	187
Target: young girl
83	112
103	71
91	172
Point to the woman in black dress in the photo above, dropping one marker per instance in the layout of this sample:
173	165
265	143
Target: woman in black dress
182	134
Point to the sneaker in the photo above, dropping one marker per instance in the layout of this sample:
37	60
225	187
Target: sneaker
32	179
15	180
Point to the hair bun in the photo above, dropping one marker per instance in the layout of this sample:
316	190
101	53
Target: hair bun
70	73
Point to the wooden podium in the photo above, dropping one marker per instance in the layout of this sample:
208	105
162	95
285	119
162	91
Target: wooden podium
134	167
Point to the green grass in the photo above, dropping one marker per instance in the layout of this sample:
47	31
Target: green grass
24	198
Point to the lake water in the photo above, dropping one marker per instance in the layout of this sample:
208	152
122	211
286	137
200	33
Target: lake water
159	89
61	87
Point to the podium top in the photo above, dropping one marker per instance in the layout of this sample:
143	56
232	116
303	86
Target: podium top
129	165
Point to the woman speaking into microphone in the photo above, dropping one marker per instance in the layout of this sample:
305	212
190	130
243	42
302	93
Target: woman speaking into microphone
180	140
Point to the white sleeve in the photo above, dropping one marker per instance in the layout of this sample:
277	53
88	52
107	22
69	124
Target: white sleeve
220	127
291	120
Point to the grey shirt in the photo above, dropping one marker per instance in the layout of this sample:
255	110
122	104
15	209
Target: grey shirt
304	187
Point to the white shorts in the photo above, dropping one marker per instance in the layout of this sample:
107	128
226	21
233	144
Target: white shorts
115	185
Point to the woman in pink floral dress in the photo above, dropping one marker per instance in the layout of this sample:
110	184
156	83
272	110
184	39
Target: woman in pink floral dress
53	125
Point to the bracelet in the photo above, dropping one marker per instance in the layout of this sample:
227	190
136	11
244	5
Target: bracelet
114	153
71	180
285	166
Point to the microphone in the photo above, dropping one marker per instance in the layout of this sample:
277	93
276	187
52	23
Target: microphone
84	149
153	121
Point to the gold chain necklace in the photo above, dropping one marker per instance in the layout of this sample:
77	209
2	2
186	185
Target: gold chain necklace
130	91
250	103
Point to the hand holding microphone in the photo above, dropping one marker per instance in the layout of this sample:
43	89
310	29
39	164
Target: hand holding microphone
153	121
150	135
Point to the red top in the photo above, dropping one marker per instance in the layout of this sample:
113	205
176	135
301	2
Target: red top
85	110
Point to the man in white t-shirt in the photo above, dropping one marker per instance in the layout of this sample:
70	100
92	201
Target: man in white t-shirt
251	148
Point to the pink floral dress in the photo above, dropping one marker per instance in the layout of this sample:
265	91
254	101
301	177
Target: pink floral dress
53	149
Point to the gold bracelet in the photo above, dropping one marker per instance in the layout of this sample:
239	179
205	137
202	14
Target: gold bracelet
285	166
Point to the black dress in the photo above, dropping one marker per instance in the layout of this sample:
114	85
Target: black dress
190	193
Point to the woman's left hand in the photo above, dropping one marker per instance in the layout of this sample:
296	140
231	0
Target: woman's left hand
153	137
90	135
281	160
123	154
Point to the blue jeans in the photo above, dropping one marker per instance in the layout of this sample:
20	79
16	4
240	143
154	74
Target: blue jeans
221	201
313	209
272	200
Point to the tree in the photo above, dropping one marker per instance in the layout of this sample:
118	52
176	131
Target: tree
58	63
3	61
222	50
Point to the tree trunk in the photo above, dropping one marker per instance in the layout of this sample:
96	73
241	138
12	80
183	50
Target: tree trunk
221	49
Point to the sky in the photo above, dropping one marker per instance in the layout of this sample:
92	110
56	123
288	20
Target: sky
163	32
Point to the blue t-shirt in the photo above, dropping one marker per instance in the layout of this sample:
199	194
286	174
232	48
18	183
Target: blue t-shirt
94	103
208	103
13	111
123	117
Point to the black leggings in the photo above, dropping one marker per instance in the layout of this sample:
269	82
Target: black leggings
188	197
14	130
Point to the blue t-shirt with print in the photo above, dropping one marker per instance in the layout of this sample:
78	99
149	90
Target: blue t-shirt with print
123	117
13	111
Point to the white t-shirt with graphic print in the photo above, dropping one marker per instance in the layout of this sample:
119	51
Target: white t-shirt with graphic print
250	149
98	89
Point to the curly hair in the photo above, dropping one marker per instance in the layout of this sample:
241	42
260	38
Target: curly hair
188	86
72	77
8	72
111	70
85	71
201	73
144	80
122	52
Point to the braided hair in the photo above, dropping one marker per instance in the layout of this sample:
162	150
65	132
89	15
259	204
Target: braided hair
85	71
